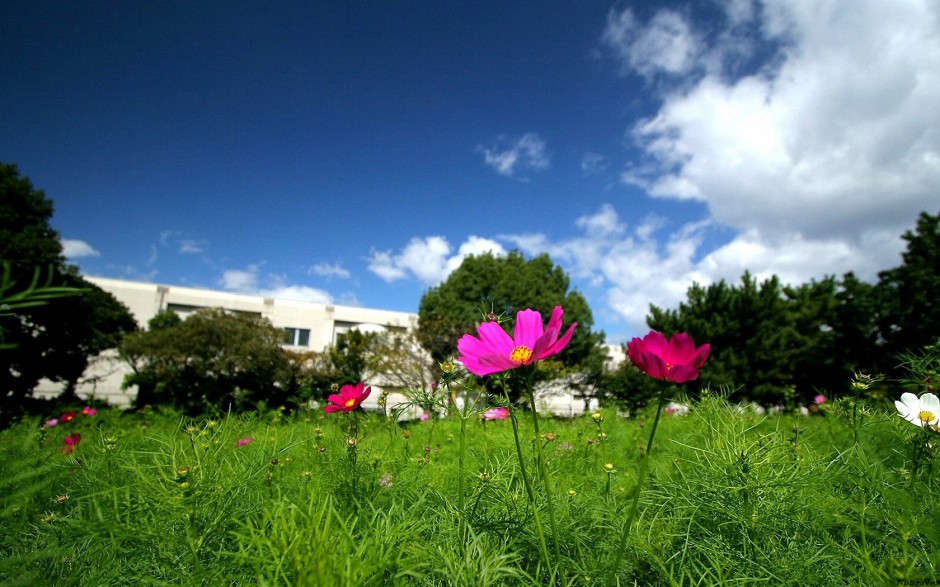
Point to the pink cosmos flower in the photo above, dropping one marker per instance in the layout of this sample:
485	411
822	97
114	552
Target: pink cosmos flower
244	441
676	360
89	411
51	422
424	416
67	417
493	351
819	399
348	399
71	441
499	413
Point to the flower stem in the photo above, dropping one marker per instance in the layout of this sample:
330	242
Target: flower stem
543	471
641	478
525	480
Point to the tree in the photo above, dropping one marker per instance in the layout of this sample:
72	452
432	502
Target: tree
501	286
212	360
58	338
910	319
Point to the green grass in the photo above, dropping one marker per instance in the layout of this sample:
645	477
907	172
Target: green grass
731	499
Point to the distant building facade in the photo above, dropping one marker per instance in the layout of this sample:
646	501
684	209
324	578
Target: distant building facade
306	325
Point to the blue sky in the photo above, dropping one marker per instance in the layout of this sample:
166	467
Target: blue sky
355	152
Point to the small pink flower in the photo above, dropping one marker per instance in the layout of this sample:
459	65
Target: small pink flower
89	411
51	422
348	398
819	399
71	441
499	413
244	441
424	416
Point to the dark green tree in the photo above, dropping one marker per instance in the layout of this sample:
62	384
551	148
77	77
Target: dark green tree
58	338
910	317
501	286
211	361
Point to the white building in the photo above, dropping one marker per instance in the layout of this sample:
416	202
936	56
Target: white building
307	325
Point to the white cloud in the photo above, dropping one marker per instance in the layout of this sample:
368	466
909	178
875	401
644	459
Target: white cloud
327	270
665	44
817	158
189	247
74	249
428	259
297	293
527	153
240	280
837	139
247	281
593	163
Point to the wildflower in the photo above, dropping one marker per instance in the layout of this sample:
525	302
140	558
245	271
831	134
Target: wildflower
244	441
494	351
51	422
348	399
819	399
572	493
424	416
89	411
499	413
609	467
386	480
597	417
448	366
67	417
923	411
71	441
676	360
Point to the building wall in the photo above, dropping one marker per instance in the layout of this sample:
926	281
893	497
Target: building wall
323	322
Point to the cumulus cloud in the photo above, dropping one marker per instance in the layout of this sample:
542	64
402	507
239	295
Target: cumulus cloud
665	44
837	139
240	280
816	158
527	153
74	249
248	281
429	259
327	270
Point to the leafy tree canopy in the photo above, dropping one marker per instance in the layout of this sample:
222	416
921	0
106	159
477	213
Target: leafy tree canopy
55	339
908	294
212	360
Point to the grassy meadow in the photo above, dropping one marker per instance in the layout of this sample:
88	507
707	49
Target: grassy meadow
849	496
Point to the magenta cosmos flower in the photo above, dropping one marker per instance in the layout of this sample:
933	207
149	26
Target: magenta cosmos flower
677	360
348	398
493	351
499	413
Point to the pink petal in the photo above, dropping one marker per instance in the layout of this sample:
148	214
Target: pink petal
528	328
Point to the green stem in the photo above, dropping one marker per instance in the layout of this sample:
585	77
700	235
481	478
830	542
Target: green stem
525	480
641	478
461	480
543	471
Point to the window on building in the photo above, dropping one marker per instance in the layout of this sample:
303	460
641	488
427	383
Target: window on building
297	336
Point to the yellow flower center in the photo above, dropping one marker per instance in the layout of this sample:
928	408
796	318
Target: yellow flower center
521	354
350	403
925	416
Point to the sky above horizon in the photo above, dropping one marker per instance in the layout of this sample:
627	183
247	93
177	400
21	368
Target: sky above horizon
356	152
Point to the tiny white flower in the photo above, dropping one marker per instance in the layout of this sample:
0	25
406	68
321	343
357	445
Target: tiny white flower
923	411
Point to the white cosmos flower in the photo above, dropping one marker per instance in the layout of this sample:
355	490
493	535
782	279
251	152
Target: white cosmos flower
923	411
